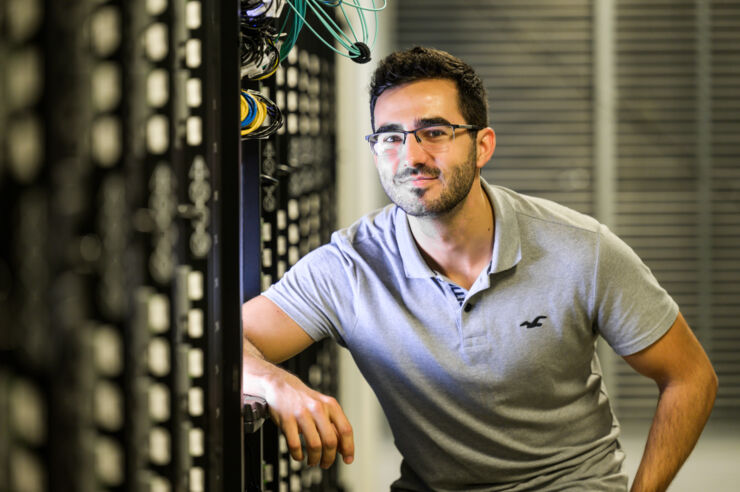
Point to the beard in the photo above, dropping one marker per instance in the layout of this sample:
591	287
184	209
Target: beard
458	182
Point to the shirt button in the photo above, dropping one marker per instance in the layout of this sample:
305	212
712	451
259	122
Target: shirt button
468	307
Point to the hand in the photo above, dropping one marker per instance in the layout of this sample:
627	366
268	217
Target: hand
297	409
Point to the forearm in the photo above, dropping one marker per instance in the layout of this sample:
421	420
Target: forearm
258	374
682	412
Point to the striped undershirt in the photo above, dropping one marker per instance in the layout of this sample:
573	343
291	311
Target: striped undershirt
458	291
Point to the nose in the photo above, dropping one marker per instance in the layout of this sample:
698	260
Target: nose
413	153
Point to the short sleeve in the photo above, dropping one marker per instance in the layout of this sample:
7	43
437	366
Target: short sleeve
318	293
632	310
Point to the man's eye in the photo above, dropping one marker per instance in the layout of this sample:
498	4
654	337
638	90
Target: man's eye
434	133
391	138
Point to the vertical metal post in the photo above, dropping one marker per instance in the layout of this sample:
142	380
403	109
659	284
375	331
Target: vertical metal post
604	147
704	171
221	22
251	282
604	112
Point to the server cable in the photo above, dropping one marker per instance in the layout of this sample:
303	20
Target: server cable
259	55
356	46
357	41
255	110
274	114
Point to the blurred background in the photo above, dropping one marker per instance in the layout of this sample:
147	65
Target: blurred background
161	162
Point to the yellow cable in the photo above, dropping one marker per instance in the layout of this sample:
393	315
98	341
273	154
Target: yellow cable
259	119
245	106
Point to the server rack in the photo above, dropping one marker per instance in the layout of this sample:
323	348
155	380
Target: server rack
119	264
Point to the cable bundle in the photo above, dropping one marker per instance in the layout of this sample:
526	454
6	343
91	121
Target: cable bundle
259	14
358	46
257	109
259	55
357	41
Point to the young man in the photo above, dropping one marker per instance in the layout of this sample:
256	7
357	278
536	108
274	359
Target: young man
473	312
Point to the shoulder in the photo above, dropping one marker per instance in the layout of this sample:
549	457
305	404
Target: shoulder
371	233
545	227
543	213
368	242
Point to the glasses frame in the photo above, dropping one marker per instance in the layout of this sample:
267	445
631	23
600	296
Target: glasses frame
418	140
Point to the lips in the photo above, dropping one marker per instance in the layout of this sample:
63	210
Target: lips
417	179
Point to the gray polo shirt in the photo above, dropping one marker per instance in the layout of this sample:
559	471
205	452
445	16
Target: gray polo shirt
503	392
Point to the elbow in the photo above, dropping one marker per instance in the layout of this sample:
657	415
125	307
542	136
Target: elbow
707	384
713	384
710	379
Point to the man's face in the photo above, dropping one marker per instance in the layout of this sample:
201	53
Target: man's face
425	183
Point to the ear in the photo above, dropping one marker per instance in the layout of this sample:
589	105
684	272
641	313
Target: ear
486	142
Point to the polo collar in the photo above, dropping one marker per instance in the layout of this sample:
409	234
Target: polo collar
507	249
507	241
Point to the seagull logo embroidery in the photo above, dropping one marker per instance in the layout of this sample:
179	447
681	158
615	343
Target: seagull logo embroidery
534	323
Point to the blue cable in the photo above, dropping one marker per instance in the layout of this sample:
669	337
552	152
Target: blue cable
249	118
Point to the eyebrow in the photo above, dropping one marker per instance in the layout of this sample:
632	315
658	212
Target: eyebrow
420	123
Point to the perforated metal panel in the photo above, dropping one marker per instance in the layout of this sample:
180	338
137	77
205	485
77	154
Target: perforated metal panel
119	277
296	213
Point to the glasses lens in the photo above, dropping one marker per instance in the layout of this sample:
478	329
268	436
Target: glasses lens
386	142
436	138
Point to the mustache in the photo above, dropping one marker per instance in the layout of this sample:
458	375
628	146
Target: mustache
411	172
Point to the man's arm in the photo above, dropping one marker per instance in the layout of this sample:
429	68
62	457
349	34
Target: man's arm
270	336
688	386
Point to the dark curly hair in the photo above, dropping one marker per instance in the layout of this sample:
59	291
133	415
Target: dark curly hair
419	63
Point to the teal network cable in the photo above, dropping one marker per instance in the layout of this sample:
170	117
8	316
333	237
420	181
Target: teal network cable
356	47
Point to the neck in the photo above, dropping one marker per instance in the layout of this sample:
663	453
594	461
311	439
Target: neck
459	243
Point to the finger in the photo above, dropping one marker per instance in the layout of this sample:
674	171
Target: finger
345	434
311	437
290	431
329	439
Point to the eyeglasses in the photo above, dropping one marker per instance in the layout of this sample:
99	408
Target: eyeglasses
435	138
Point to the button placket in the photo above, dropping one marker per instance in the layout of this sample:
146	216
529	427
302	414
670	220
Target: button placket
472	329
